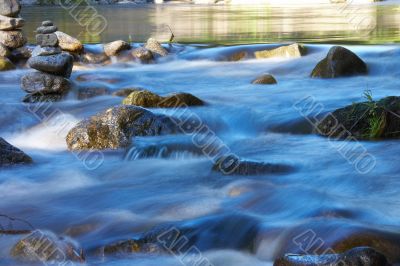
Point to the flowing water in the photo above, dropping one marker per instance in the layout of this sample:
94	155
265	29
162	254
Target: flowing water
100	200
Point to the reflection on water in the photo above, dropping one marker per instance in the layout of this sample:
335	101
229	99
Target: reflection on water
372	23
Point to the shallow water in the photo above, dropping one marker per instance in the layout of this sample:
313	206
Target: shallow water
327	23
118	198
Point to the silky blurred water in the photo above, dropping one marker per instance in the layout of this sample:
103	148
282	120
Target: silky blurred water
121	199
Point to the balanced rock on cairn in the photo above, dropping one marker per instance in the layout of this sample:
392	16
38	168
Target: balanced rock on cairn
11	36
50	82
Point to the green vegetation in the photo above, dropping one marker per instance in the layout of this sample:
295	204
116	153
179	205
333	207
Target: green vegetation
376	117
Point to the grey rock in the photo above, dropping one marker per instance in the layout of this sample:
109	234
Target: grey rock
39	98
7	23
143	54
47	39
21	53
114	128
43	83
12	39
59	64
38	51
10	155
340	62
47	23
114	48
9	8
155	47
46	29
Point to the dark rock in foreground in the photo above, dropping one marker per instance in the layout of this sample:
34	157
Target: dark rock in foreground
10	155
366	120
232	165
115	127
362	256
40	246
340	62
265	79
44	83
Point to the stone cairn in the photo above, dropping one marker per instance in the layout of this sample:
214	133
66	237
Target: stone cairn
11	36
50	81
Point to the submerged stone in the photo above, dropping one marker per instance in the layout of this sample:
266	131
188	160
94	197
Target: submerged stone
265	79
143	54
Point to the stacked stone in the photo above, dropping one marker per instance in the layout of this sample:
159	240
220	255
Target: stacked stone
50	81
11	36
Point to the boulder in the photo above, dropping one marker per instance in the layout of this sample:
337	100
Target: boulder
126	92
155	47
40	246
91	58
114	128
231	165
265	79
365	120
6	64
59	64
114	48
148	99
44	83
69	43
9	8
142	98
340	62
4	51
12	39
143	54
39	51
361	256
7	23
21	53
289	51
47	40
10	155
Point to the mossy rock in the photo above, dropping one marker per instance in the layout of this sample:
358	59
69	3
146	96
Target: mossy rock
365	120
6	64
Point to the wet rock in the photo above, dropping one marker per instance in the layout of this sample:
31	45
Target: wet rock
91	58
69	43
40	246
114	48
10	155
7	23
43	83
115	127
21	53
9	8
143	54
142	98
4	51
47	40
237	56
40	97
12	39
232	165
265	79
366	120
148	99
89	77
155	47
126	92
362	256
46	29
199	233
90	92
340	62
293	50
6	64
38	51
60	64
